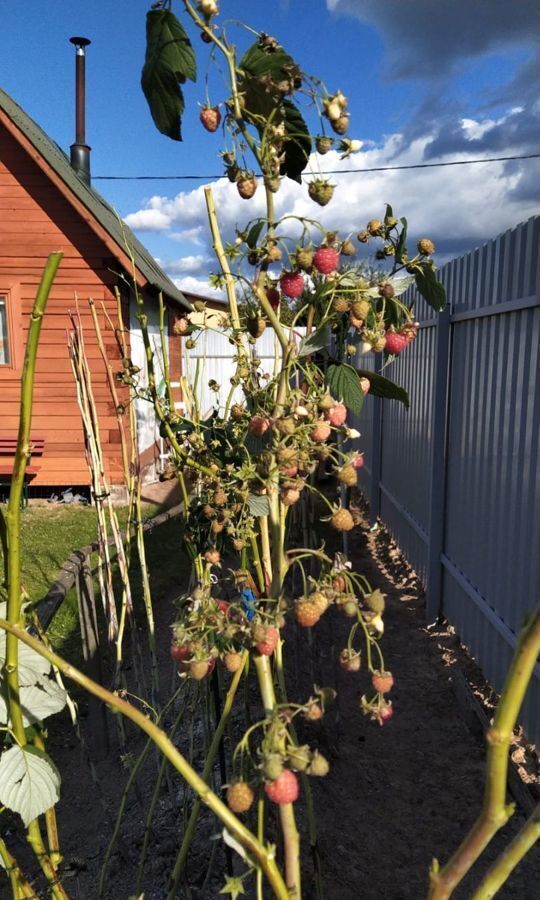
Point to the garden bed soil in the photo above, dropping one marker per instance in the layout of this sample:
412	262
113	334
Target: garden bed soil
396	796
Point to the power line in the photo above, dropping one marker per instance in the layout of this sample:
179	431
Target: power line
453	162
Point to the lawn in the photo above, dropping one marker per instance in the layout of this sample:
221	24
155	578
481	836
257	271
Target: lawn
49	534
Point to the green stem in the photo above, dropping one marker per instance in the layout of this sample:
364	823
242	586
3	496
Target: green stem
19	885
495	812
207	771
503	867
263	855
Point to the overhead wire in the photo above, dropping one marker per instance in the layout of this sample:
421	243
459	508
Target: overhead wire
435	165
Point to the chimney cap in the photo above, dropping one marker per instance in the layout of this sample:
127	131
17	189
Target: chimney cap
80	41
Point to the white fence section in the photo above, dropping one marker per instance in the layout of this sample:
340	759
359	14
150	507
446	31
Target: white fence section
456	479
212	359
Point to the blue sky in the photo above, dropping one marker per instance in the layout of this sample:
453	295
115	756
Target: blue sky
425	82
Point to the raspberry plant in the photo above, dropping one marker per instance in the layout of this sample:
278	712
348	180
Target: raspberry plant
254	459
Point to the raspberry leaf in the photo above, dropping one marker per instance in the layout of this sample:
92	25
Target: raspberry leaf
169	62
29	782
344	384
430	287
383	387
298	147
317	341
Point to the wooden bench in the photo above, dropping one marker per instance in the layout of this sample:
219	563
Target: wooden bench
8	448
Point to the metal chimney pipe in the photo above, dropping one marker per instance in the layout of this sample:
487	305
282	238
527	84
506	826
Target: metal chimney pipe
80	151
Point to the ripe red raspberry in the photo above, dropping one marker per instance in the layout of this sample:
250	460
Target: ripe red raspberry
326	260
267	646
321	432
386	713
240	796
258	426
382	682
395	342
210	117
180	652
284	789
273	297
223	606
342	520
307	613
292	284
290	472
337	415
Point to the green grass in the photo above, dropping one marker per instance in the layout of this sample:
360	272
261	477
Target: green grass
50	534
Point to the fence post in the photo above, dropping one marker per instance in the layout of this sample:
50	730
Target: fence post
376	452
98	732
438	469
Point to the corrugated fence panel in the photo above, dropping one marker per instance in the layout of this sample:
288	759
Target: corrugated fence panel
490	561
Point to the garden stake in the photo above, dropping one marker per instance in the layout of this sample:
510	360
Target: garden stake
495	811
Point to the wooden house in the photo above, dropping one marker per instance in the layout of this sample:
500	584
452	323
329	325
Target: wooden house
47	205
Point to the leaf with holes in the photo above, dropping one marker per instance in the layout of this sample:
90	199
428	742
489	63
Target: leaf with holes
344	384
258	505
29	782
168	63
383	387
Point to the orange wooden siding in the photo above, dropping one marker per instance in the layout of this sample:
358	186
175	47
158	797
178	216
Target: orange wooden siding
35	220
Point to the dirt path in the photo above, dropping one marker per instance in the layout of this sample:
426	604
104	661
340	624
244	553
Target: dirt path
395	797
399	795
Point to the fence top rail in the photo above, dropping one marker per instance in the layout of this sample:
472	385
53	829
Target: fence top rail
48	606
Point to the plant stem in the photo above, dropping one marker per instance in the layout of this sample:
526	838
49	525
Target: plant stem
503	867
13	518
207	771
19	886
291	843
263	855
495	812
13	522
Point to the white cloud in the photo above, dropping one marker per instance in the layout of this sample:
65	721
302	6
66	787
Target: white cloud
189	235
185	265
458	207
148	219
200	286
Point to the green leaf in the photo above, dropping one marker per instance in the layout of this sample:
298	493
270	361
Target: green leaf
298	146
258	505
29	782
254	234
39	700
383	387
401	244
257	61
344	384
316	341
168	63
430	287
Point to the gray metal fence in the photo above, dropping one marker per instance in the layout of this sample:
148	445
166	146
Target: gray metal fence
456	478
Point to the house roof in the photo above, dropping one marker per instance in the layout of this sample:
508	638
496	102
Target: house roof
100	211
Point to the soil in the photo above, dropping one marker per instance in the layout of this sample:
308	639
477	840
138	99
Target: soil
396	796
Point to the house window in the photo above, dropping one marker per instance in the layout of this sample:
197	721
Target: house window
5	355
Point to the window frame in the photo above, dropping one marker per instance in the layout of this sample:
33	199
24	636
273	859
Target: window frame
11	293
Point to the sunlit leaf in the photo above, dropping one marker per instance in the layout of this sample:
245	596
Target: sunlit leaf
29	782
